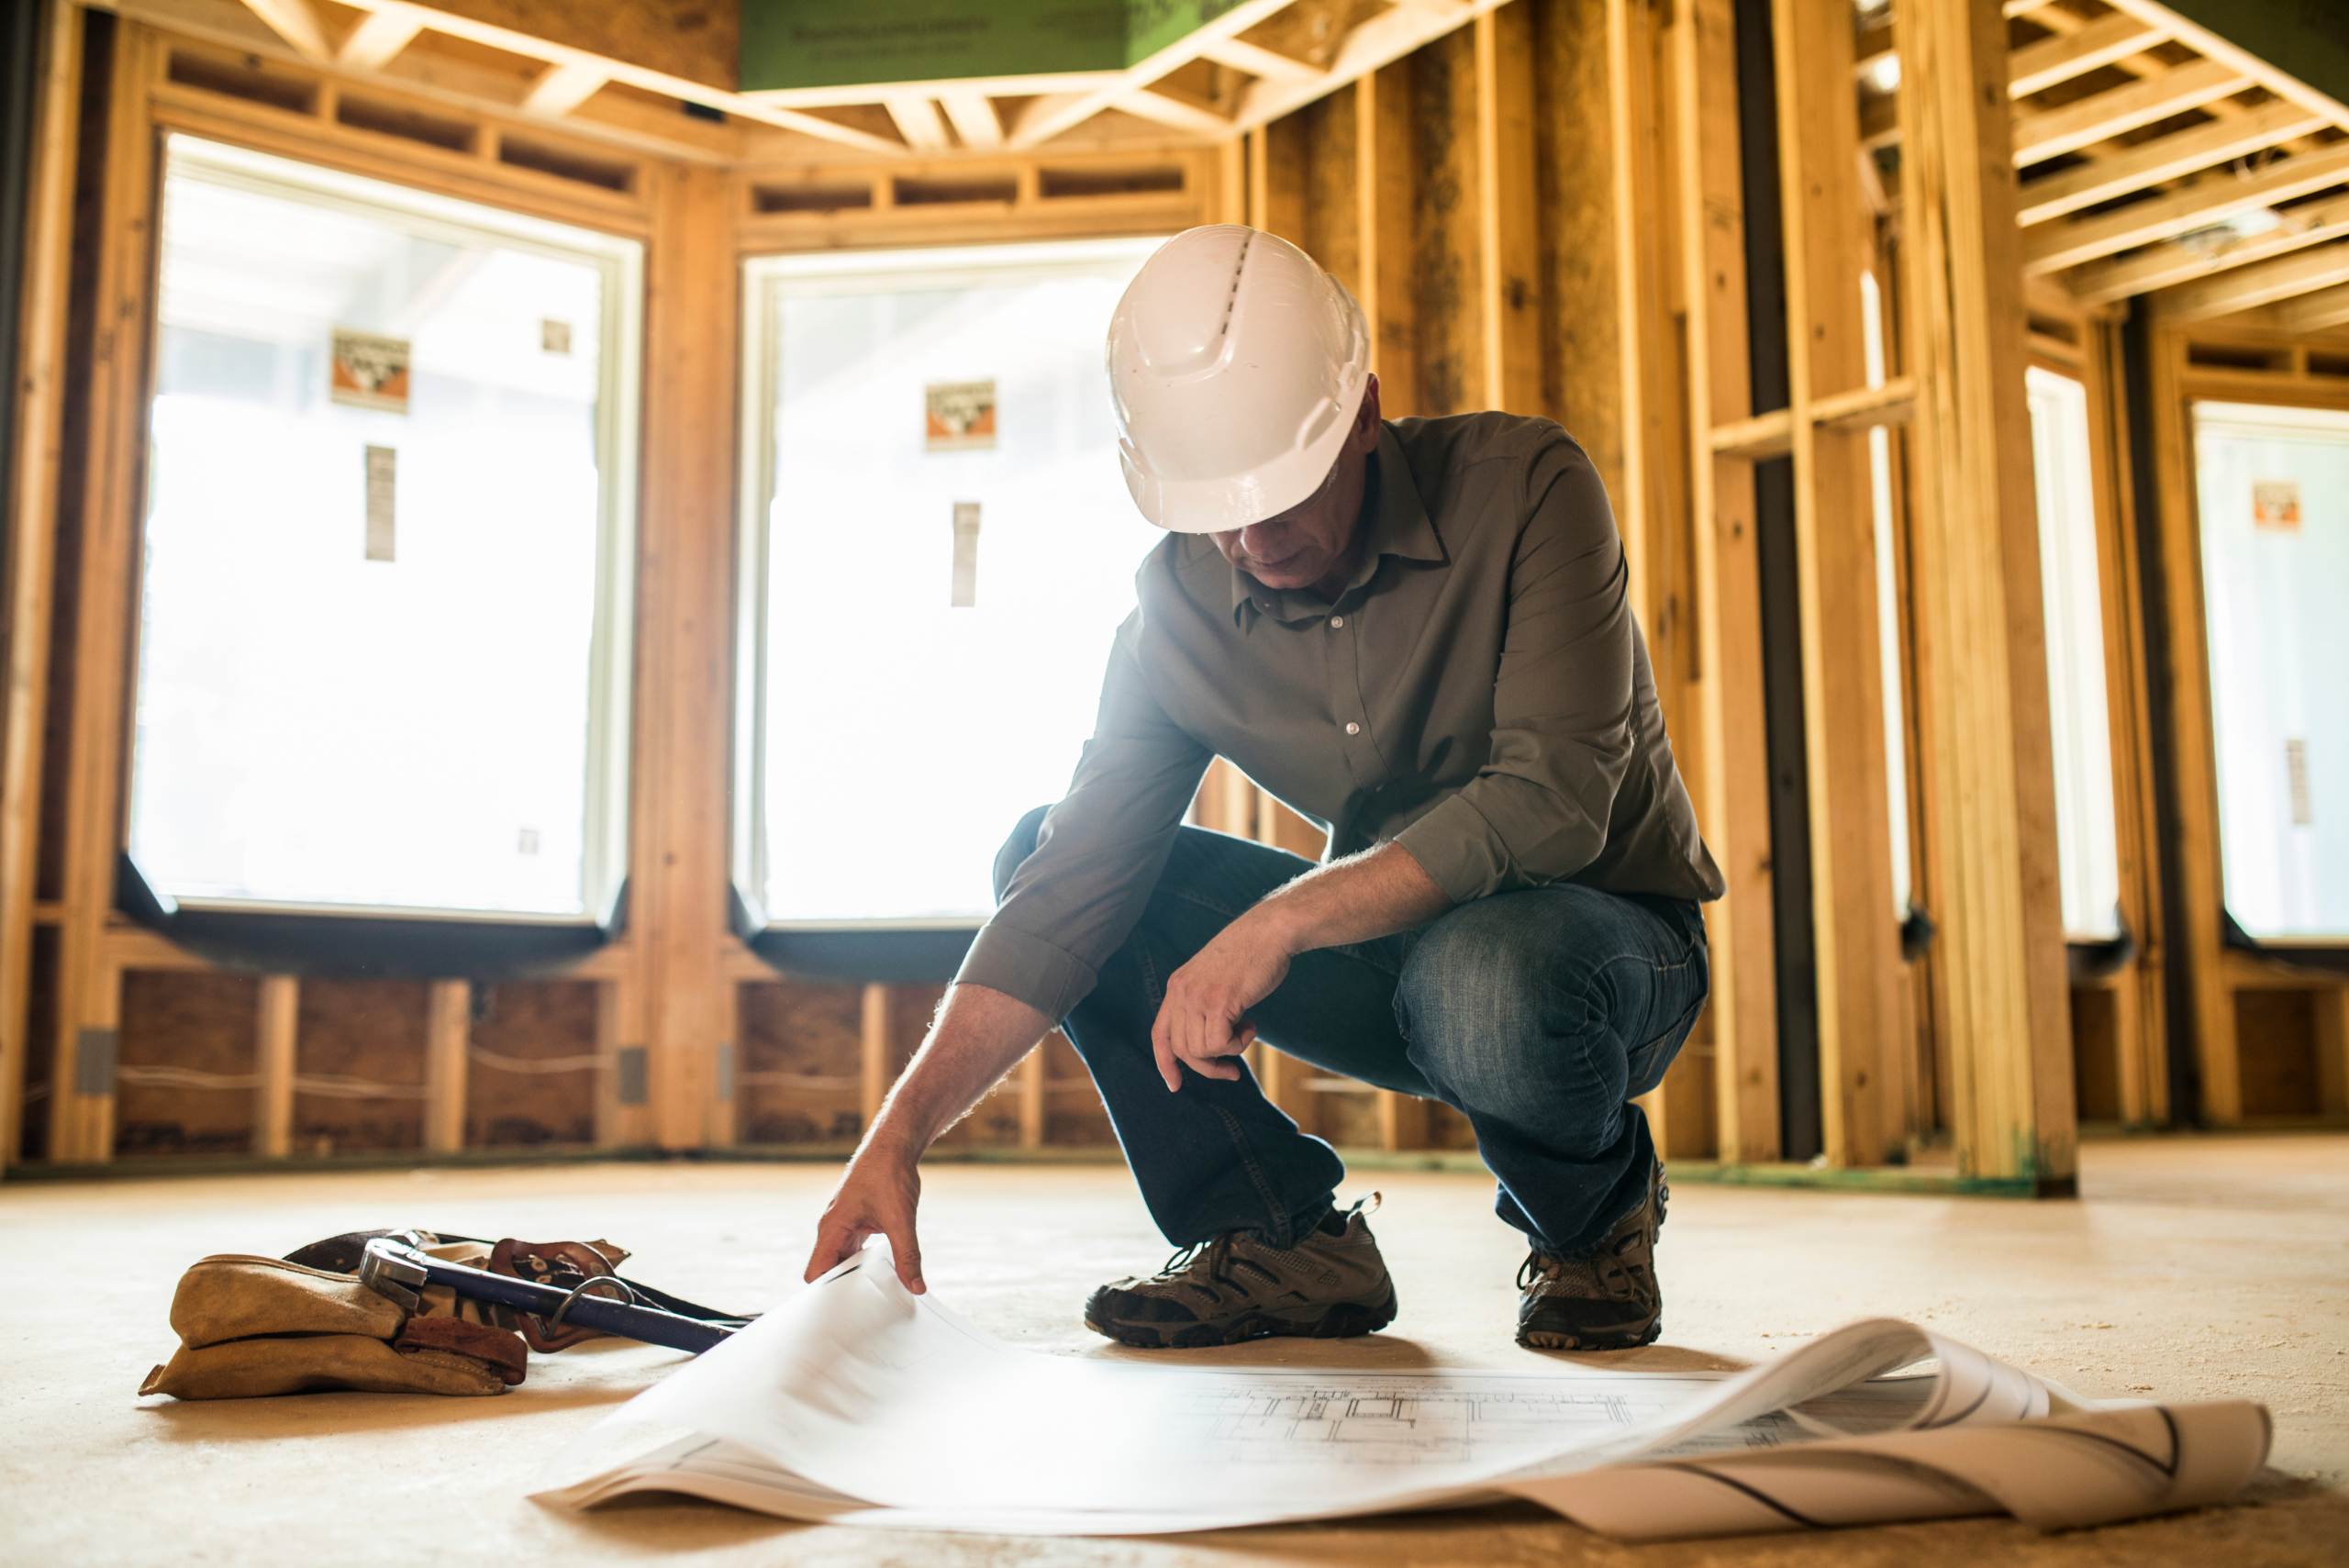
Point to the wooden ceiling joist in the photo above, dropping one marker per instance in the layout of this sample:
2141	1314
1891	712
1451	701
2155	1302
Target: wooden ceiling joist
2315	312
375	41
2167	266
2051	247
2036	67
2105	115
2264	283
298	22
570	77
2164	159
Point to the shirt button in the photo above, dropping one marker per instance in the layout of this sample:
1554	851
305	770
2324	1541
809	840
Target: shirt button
1353	729
1337	621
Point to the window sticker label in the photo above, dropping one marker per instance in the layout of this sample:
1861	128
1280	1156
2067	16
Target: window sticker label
369	372
2276	504
966	555
554	336
960	416
383	465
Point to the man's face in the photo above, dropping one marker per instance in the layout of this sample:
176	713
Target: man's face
1318	538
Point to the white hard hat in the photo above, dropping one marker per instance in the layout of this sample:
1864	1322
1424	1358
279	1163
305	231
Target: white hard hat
1236	366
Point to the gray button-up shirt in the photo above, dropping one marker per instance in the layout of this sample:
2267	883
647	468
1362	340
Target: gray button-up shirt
1479	694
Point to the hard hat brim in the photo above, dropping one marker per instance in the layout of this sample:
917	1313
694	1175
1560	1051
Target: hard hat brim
1227	503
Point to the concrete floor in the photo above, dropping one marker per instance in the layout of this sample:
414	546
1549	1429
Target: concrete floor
2192	1268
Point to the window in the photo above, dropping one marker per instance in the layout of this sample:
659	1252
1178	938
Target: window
1887	606
383	638
939	546
2086	841
2272	488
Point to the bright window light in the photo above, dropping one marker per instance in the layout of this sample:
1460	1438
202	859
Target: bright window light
2087	842
1888	605
945	548
2272	488
382	644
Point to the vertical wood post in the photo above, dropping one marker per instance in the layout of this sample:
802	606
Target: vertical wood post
623	1116
31	508
80	1124
1509	250
877	1024
1990	828
1857	939
684	648
1034	1090
273	1056
448	1037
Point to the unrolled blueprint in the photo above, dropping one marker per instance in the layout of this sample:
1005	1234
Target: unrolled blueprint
859	1403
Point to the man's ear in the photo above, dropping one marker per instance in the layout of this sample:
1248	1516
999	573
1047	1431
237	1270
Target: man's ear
1366	418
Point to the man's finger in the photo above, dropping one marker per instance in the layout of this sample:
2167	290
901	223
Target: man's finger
906	1248
834	1242
1162	1046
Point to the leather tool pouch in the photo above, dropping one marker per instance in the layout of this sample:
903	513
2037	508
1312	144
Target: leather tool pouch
251	1325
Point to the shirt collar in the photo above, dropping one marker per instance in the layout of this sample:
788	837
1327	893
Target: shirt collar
1400	526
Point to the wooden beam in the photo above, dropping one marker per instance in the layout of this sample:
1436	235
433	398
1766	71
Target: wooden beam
563	87
1867	408
2050	247
1034	1095
1192	46
1381	41
31	539
2036	67
973	117
1755	438
1856	930
2104	116
81	1125
917	121
2162	159
1387	200
2271	74
1179	113
2316	311
378	39
1987	776
876	1028
2312	223
1258	60
447	1038
1509	247
684	648
2245	288
1731	781
275	1030
296	21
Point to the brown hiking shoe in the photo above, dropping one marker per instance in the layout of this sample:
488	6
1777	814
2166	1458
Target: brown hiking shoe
1329	1285
1605	1299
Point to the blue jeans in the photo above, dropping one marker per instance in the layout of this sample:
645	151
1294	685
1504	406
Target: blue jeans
1537	1015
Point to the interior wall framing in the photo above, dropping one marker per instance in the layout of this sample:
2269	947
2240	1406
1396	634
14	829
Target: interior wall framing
1540	209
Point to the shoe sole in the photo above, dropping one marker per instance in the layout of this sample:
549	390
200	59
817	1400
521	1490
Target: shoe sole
1342	1321
1613	1339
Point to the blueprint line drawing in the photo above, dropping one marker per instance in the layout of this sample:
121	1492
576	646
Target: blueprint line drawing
857	1403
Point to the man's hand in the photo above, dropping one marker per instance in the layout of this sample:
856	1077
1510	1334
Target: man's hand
979	1035
877	1196
1202	1020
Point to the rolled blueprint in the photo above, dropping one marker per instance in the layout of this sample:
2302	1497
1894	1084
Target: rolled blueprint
856	1402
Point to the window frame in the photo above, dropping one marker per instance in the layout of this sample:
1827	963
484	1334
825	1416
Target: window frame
607	755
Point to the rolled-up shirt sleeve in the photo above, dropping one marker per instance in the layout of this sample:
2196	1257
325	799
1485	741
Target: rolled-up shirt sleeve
1562	733
1100	850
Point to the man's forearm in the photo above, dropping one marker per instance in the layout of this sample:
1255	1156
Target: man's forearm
980	1035
1364	897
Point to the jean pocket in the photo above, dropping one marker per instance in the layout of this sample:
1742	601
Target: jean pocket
1650	1062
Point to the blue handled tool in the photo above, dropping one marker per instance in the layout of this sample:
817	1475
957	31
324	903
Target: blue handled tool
397	1271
